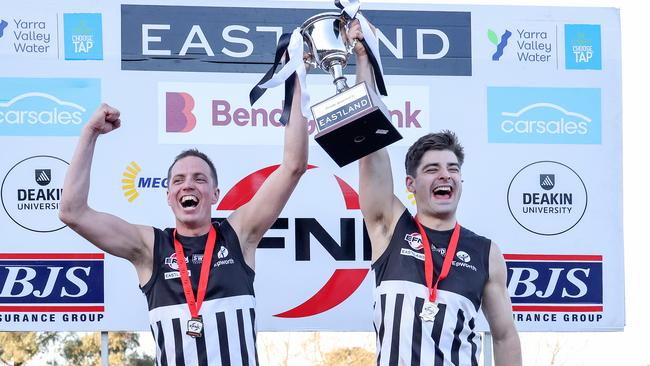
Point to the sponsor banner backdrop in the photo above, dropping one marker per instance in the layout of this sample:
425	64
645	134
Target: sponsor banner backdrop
533	93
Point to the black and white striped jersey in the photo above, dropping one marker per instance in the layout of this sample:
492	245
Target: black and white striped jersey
228	310
400	292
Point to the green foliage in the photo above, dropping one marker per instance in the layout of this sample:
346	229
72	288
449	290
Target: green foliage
493	37
355	356
16	348
86	350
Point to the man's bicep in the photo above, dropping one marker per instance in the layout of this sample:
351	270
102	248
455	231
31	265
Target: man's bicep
115	236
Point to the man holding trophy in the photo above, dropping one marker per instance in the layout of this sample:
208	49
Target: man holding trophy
198	276
425	309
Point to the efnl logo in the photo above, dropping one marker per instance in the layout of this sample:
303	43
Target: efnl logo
83	36
46	107
500	42
544	115
582	46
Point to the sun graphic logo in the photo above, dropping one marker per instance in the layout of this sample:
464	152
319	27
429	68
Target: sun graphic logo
128	181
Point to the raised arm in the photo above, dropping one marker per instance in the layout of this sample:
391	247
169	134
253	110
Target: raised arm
254	218
380	207
498	312
109	233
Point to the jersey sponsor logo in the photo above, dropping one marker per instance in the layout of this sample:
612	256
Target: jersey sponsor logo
463	256
410	253
222	254
176	274
172	261
51	282
197	258
414	240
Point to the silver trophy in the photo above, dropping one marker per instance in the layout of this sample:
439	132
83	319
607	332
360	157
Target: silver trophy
354	122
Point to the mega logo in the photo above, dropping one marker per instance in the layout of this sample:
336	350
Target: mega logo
304	240
582	46
228	39
132	183
46	107
83	36
547	198
31	192
544	115
555	283
37	282
213	113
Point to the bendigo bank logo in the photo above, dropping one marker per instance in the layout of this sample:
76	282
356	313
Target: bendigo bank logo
31	192
36	282
569	284
343	282
179	116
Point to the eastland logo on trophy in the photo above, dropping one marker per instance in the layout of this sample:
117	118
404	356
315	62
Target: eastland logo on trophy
354	122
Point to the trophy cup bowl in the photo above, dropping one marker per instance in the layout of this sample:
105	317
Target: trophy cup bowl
354	122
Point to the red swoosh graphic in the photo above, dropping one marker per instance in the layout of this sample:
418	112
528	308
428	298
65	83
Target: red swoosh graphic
339	287
349	195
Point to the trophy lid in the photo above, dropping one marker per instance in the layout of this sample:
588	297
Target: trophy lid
318	17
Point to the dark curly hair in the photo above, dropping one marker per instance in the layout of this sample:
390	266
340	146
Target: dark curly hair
444	140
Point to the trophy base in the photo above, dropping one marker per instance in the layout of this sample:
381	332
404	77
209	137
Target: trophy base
353	124
350	141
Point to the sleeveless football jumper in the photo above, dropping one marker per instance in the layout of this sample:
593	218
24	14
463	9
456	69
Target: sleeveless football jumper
228	310
400	292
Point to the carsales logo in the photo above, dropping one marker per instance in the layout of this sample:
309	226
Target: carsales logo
300	241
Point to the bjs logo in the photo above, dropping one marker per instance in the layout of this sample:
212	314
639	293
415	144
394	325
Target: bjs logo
51	279
555	282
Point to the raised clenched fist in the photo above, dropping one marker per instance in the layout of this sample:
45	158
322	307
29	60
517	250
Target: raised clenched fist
105	119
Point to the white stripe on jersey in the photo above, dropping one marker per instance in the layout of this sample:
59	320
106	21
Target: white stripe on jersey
411	292
229	306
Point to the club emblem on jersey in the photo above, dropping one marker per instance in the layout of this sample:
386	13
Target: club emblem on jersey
197	258
172	262
463	256
414	240
223	253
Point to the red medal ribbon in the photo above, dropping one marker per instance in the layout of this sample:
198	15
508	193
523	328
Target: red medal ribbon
428	259
195	305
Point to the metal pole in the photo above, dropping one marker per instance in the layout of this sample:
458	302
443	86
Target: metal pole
104	350
487	346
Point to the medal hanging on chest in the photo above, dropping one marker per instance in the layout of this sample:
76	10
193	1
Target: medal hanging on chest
195	324
430	308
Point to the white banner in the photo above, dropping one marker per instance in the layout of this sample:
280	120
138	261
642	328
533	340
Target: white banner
533	93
